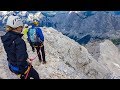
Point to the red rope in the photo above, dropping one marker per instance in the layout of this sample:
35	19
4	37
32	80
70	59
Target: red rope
28	72
30	66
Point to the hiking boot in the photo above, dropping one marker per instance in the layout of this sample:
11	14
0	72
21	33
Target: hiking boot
40	61
44	62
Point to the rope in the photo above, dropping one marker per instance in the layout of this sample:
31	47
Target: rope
28	70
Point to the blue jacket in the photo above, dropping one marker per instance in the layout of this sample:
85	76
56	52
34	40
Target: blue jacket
16	50
38	32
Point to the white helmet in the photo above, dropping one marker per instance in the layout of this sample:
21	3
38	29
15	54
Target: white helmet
25	25
14	21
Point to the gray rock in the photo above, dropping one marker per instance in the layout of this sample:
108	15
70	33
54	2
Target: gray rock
66	59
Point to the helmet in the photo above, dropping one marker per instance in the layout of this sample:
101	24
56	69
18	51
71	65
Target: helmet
14	21
36	22
25	25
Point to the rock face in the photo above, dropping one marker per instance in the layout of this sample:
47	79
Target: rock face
66	59
2	33
107	54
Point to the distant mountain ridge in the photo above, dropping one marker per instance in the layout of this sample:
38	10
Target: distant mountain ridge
74	24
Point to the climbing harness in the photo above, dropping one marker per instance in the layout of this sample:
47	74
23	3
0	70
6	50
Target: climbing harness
39	46
28	70
26	73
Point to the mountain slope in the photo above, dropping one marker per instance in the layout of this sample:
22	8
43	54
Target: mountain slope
66	59
107	54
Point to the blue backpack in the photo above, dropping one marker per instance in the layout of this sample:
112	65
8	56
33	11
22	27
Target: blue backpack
33	35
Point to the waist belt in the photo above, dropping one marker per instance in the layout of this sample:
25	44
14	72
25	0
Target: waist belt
39	46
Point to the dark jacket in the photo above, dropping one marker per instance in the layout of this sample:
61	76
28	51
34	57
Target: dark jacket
15	48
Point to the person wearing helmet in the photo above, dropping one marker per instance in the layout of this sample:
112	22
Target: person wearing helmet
36	40
26	25
24	32
16	50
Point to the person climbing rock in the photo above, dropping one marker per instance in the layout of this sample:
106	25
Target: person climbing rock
16	50
36	40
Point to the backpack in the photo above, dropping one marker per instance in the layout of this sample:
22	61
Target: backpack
33	35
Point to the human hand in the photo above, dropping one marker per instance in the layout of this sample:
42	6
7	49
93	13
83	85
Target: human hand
29	60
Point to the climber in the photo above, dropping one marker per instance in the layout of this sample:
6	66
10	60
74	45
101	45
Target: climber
36	40
24	32
16	50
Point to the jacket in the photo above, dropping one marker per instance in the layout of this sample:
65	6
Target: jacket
38	32
16	50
